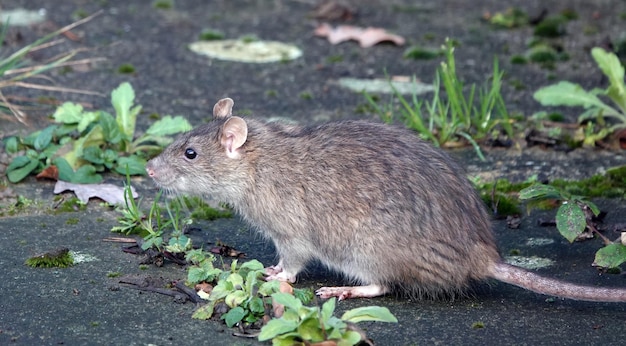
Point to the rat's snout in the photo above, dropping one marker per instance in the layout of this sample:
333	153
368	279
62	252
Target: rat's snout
150	169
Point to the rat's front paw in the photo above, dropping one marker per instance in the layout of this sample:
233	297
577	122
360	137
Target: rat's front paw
348	292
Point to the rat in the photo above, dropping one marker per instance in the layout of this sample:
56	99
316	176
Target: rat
372	201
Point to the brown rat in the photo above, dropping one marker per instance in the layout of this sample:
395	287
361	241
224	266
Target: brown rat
369	200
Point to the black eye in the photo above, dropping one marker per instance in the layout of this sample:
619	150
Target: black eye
190	154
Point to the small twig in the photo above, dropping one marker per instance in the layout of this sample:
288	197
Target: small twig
192	294
19	115
66	63
120	240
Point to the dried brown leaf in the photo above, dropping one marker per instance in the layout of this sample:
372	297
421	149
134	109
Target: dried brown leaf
108	192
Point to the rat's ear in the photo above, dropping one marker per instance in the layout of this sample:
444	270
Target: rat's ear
223	108
234	135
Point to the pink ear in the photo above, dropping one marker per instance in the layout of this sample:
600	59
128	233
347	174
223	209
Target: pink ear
234	135
223	108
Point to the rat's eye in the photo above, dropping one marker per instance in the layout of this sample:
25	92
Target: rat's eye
190	154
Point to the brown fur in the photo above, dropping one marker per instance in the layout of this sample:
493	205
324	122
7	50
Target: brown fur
371	201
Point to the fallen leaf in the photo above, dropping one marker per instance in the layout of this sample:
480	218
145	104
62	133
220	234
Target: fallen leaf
204	287
107	192
244	51
367	37
50	172
227	251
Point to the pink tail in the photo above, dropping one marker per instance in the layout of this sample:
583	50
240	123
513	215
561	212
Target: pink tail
536	283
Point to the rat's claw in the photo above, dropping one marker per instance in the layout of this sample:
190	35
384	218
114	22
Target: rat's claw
278	273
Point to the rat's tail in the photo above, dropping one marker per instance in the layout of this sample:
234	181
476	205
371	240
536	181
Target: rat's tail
539	284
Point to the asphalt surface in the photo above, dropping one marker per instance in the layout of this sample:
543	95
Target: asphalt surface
83	305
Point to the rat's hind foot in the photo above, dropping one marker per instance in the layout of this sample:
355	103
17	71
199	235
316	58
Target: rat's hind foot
348	292
278	273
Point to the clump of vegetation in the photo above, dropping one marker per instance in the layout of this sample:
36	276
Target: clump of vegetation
163	4
59	258
593	120
92	141
462	116
575	217
126	69
211	35
421	53
301	324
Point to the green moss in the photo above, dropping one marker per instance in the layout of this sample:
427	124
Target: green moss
143	267
569	14
201	210
511	18
271	93
478	325
71	205
126	69
72	221
163	4
249	38
551	27
421	53
333	59
113	274
518	59
306	95
59	258
542	54
515	252
211	35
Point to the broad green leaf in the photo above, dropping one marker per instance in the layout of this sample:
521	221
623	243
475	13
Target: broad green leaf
256	305
235	298
133	164
94	155
86	174
570	220
93	138
11	145
122	99
276	327
65	170
569	94
252	265
68	113
110	129
221	290
310	330
287	300
86	120
350	337
369	313
594	208
234	316
540	191
269	287
610	256
18	162
21	169
44	138
169	125
204	312
235	279
613	69
328	309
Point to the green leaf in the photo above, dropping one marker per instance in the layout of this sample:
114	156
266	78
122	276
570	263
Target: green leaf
540	191
11	145
65	170
310	330
132	164
234	316
93	138
204	312
328	309
20	168
570	220
569	94
235	279
276	327
269	287
256	305
93	155
122	99
44	138
610	256
86	174
287	300
111	131
350	337
252	265
235	298
369	313
87	119
169	125
68	113
613	69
